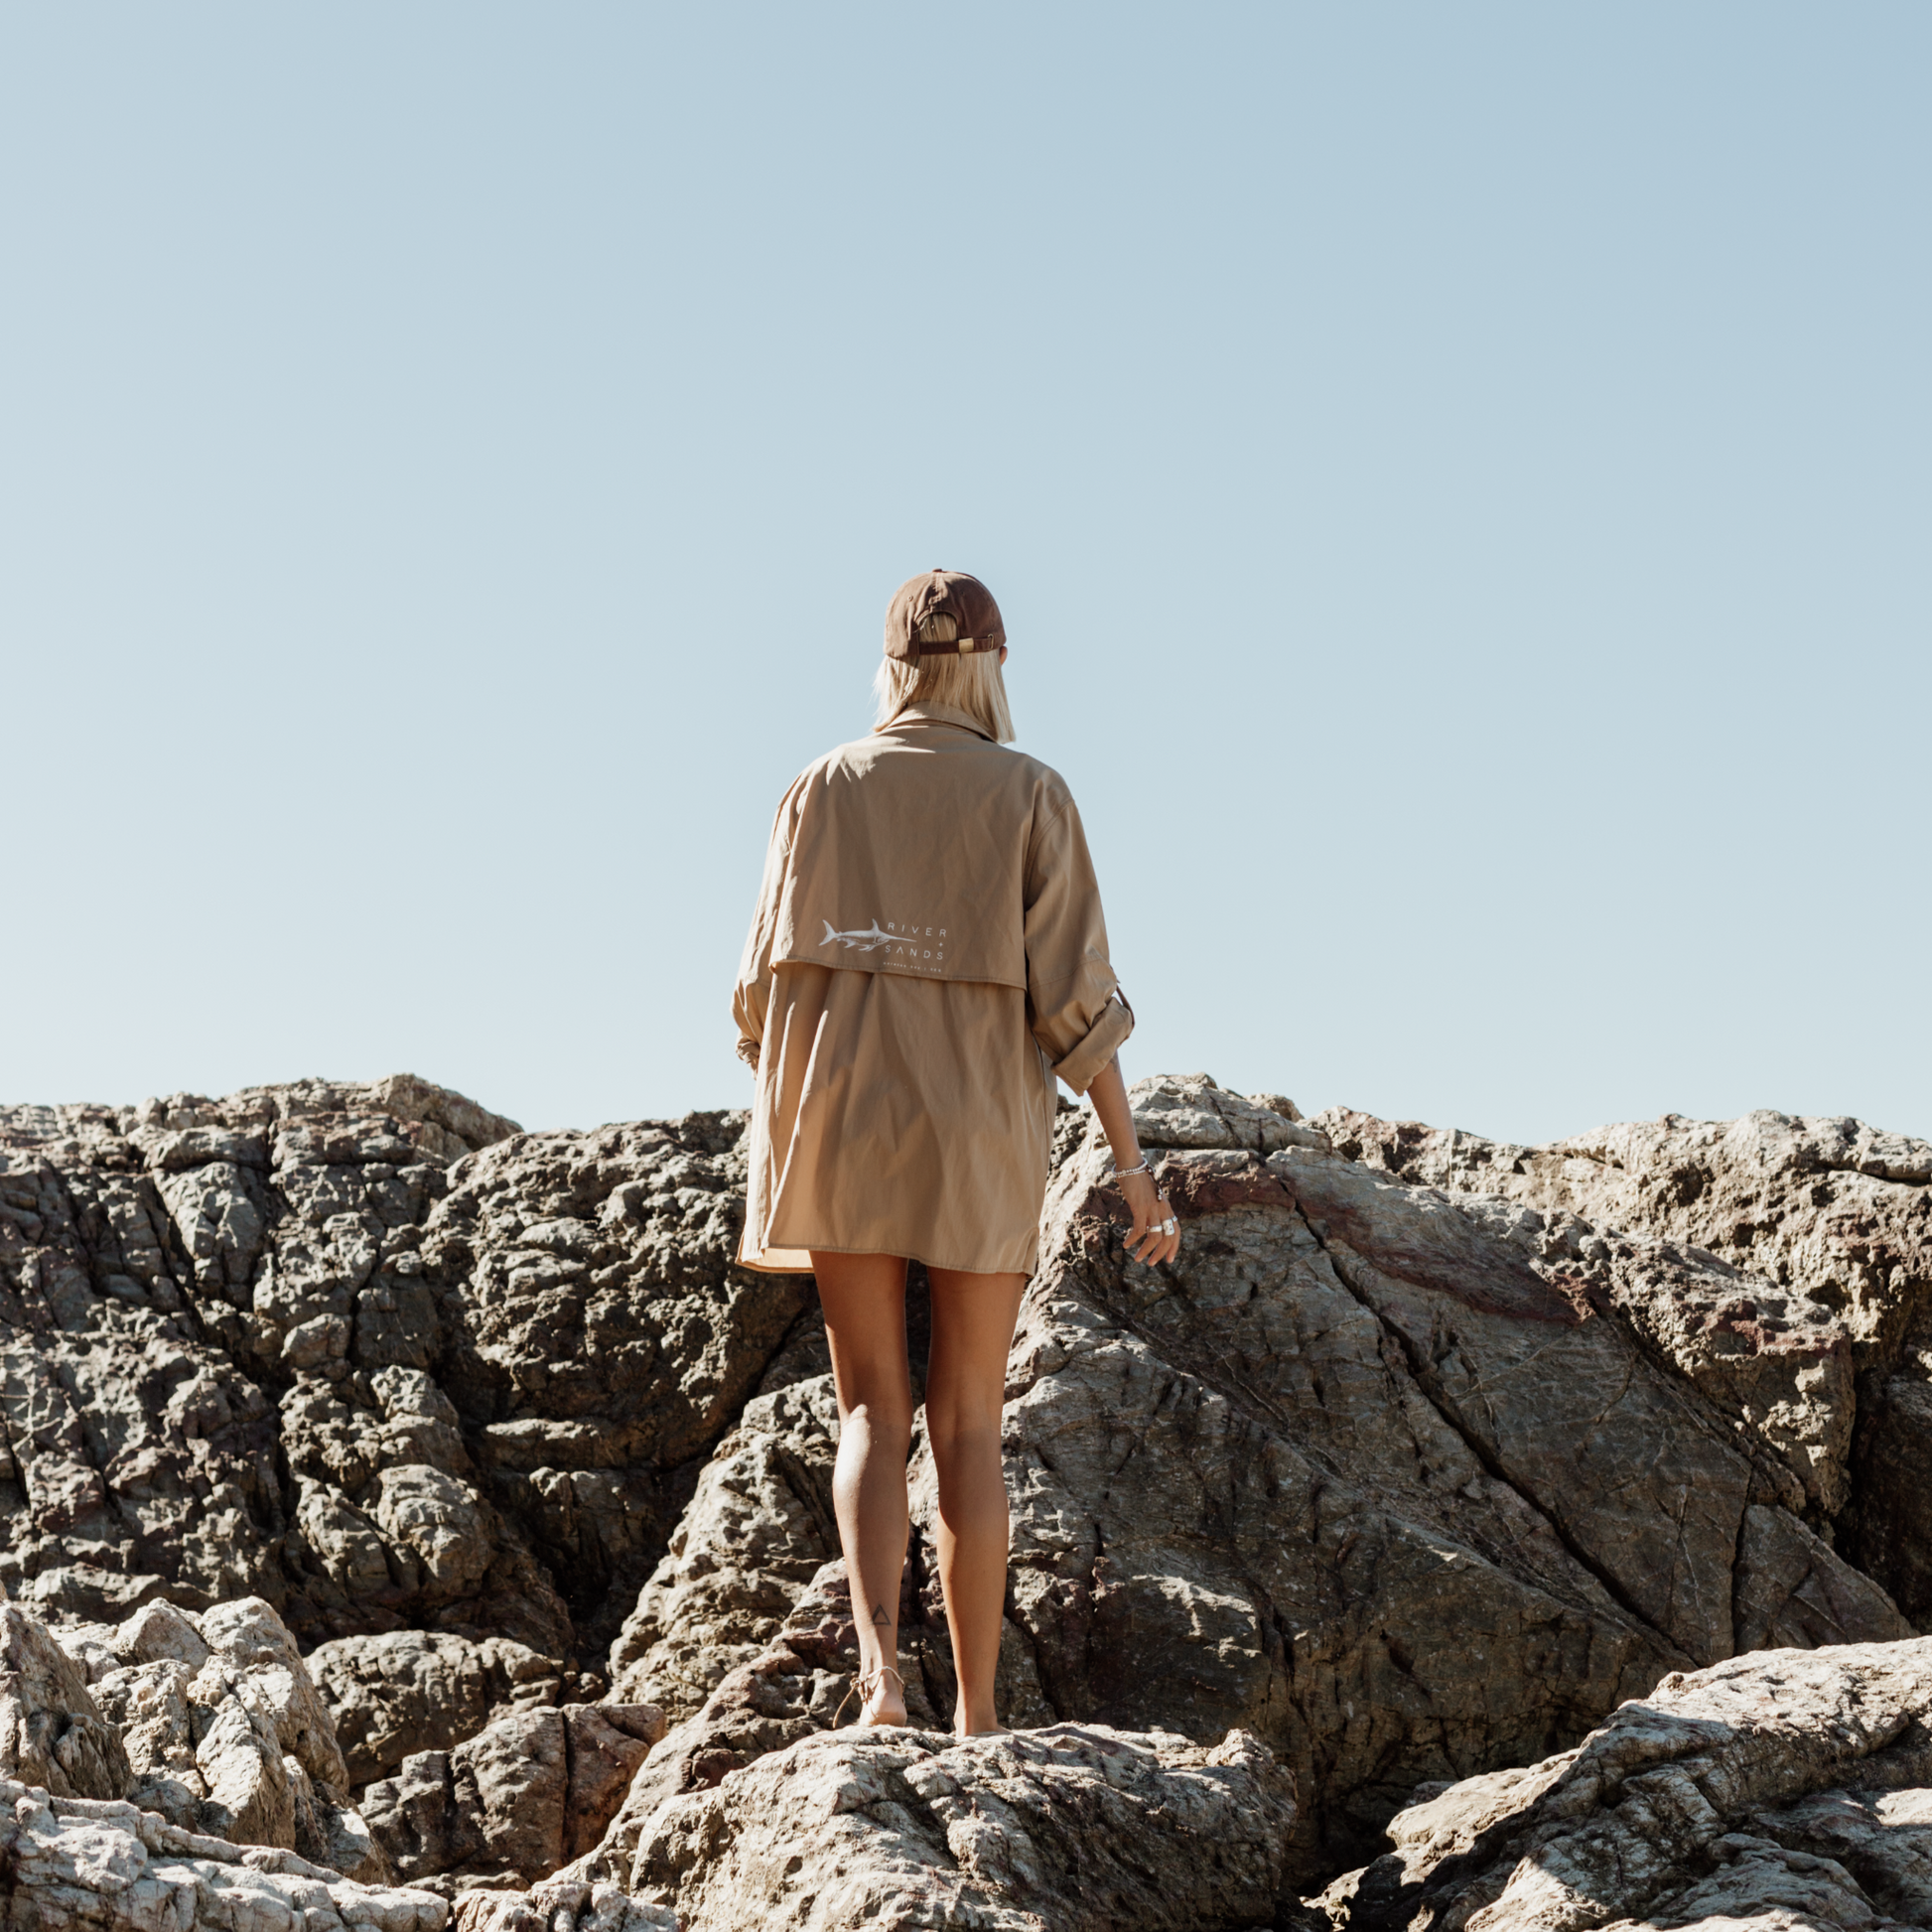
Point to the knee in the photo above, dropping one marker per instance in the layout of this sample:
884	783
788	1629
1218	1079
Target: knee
883	1423
955	1411
960	1437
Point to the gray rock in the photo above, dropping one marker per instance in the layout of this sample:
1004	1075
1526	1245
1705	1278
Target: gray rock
1255	1489
51	1733
111	1868
225	1730
1071	1829
1259	1486
494	1420
1783	1782
509	1806
799	1684
758	1530
559	1905
1816	1265
247	1347
602	1339
412	1691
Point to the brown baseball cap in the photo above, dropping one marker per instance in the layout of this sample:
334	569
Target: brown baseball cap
942	611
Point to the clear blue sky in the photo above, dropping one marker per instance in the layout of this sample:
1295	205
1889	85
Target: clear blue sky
1457	478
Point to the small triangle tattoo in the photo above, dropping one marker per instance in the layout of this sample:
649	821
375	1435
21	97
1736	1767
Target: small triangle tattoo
879	1616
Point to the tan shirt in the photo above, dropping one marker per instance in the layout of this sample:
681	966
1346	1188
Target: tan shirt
927	954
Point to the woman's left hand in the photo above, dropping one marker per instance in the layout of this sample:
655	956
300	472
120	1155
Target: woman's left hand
1154	1236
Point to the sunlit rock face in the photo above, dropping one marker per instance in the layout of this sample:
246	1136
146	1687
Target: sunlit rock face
368	1353
1814	1324
1423	1457
1781	1788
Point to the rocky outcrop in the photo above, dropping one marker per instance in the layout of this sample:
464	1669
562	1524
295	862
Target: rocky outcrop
603	1340
1255	1489
1069	1828
213	1730
1258	1486
559	1905
758	1530
1358	1413
410	1691
51	1733
511	1804
74	1863
224	1733
799	1684
1415	1464
1785	1783
368	1354
1812	1322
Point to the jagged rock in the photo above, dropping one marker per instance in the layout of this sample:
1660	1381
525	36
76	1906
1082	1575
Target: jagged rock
510	1805
1259	1487
559	1906
422	1384
136	1456
1784	1782
154	1264
247	1347
802	1683
415	1690
796	1686
602	1338
112	1867
756	1531
51	1733
262	1664
1071	1829
1827	1224
224	1730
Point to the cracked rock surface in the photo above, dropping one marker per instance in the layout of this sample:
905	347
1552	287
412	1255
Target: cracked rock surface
1423	1457
368	1354
410	1691
108	1867
511	1804
1070	1829
225	1731
758	1530
1813	1322
1387	1476
1784	1787
1379	1474
52	1732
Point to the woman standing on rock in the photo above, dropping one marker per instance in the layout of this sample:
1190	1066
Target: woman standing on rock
928	955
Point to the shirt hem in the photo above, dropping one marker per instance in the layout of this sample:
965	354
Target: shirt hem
767	1267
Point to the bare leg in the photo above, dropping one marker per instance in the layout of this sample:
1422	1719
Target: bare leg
864	1299
972	1333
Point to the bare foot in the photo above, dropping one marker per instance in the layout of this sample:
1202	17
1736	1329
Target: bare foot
882	1697
889	1709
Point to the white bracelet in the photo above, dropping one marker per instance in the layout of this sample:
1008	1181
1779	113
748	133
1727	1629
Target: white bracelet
1146	1167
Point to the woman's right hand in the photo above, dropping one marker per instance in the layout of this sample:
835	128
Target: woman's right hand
1148	1240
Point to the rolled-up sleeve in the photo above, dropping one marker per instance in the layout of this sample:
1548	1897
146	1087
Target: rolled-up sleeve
1078	1012
752	995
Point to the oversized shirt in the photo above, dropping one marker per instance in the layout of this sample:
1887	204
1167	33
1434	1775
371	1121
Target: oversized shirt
928	955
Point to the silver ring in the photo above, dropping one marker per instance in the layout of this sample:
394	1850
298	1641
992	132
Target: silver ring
1167	1228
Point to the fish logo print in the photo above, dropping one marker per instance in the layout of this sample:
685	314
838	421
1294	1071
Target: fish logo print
869	939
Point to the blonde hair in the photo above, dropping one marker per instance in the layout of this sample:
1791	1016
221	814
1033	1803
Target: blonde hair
972	684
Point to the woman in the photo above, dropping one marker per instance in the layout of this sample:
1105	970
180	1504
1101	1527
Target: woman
927	956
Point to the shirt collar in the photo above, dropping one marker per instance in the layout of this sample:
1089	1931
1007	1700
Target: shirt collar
924	712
